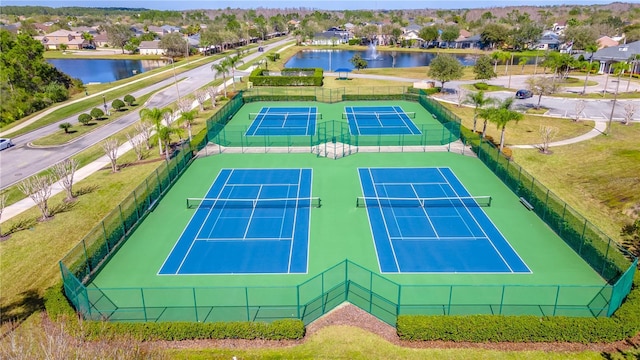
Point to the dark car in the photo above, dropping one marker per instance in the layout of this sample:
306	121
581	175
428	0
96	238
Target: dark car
523	94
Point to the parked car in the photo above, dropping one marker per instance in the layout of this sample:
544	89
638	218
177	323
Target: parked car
5	143
523	94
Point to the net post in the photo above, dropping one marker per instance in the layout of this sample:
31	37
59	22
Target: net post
144	307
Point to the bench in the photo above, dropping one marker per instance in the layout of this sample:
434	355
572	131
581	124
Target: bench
526	203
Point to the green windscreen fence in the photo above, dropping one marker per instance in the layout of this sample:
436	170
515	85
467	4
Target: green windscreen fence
345	281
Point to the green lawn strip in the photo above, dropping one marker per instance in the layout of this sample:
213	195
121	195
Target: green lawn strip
599	96
598	177
79	130
348	342
490	87
525	131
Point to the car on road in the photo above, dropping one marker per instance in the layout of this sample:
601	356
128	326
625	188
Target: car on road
5	143
523	94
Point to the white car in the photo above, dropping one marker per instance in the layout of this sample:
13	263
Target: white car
5	143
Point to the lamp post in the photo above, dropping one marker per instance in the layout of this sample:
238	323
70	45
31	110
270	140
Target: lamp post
106	109
175	80
613	106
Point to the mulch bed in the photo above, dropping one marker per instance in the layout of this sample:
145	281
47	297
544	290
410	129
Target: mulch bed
351	315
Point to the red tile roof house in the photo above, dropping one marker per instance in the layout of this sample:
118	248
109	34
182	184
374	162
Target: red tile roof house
72	39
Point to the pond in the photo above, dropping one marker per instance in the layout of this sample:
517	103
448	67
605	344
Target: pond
104	70
330	60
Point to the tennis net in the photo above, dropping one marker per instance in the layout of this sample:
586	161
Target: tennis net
379	115
286	115
466	201
209	203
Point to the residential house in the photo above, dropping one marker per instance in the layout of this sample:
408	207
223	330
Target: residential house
411	34
168	29
151	48
156	29
330	38
14	28
101	40
615	54
72	39
471	42
548	41
605	41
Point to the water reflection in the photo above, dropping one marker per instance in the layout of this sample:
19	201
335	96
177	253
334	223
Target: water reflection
104	70
330	60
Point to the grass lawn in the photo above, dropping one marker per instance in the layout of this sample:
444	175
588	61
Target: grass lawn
525	131
599	177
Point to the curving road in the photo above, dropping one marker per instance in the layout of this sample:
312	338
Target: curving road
22	161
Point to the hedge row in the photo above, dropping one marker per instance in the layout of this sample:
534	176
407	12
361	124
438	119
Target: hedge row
258	79
352	97
58	308
254	98
623	324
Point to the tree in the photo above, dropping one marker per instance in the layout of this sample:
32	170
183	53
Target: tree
494	35
522	61
221	68
110	147
232	62
629	110
429	33
96	113
118	35
144	132
164	135
484	69
201	96
65	126
64	171
117	104
524	35
478	100
174	45
129	99
547	133
542	86
580	105
85	119
450	33
64	47
137	143
501	116
560	63
358	62
38	188
155	116
212	92
581	36
445	68
187	118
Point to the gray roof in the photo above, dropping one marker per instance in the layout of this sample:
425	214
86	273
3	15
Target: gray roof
619	53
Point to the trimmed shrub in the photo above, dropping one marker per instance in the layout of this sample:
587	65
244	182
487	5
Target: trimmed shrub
129	99
56	303
117	104
481	86
260	77
84	119
355	41
96	113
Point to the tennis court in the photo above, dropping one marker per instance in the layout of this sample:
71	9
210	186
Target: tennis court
250	221
380	120
425	220
299	121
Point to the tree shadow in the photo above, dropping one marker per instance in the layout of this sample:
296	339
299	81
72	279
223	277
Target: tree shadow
85	190
62	207
28	302
20	225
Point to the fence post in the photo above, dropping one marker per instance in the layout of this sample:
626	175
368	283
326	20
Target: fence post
195	304
144	307
502	299
450	299
86	257
555	305
298	301
246	299
106	239
370	292
584	229
124	227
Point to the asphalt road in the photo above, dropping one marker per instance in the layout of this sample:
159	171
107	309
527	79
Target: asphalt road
22	161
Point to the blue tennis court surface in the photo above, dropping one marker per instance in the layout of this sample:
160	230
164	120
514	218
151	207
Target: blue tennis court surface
380	120
277	121
415	235
250	221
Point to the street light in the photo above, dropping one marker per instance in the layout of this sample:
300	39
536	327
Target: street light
106	109
175	80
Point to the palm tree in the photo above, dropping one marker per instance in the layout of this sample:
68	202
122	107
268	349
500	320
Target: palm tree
488	114
187	118
221	69
156	117
232	62
478	100
164	137
501	117
65	126
590	49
